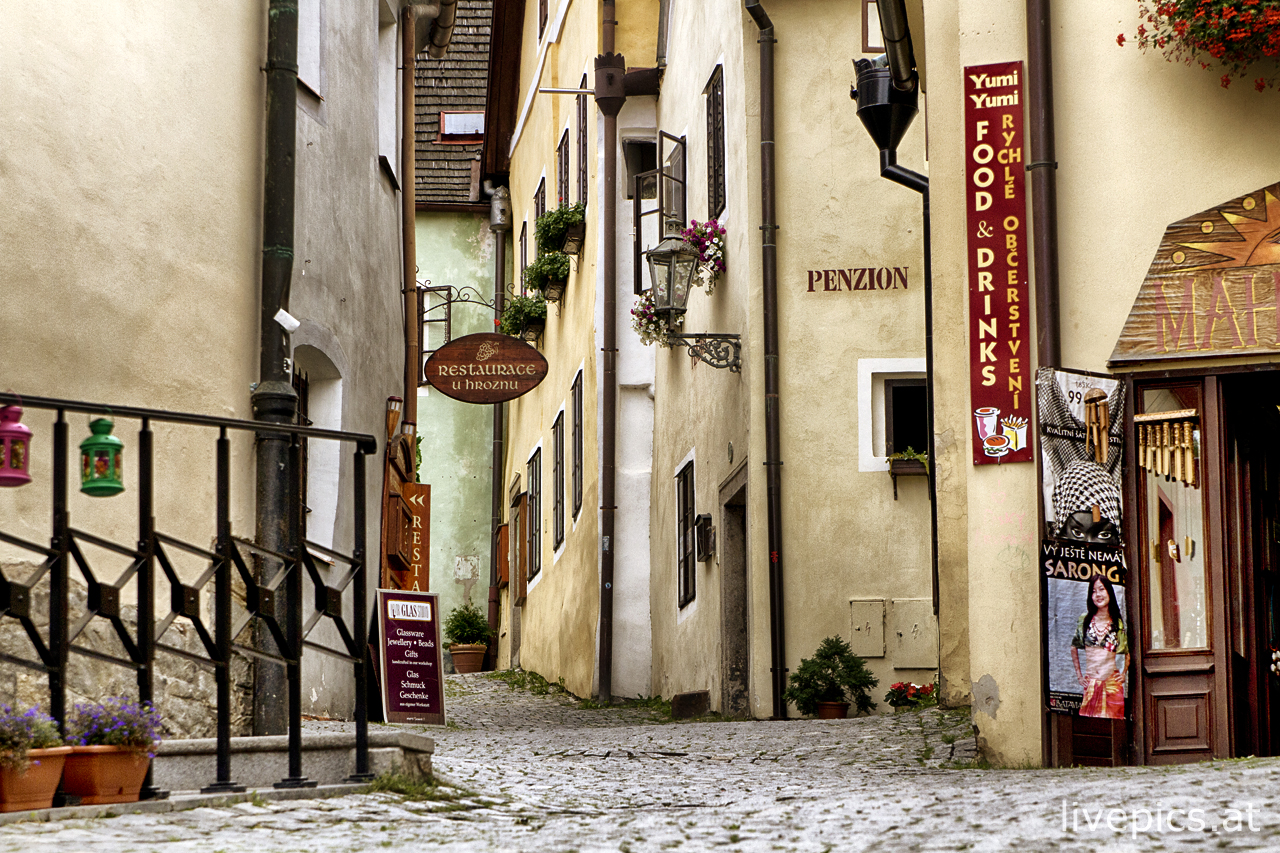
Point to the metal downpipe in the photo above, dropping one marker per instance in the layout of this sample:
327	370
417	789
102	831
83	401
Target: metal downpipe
499	224
408	214
772	430
890	169
1044	185
274	400
610	69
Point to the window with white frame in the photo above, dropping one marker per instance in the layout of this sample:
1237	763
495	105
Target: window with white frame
577	444
686	564
582	143
309	44
715	145
388	90
557	481
562	171
534	529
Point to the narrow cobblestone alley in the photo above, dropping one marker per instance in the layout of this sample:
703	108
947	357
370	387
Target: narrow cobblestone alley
546	772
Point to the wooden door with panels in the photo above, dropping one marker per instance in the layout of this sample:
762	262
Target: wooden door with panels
1181	712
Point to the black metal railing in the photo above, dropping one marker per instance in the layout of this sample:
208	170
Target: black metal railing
273	598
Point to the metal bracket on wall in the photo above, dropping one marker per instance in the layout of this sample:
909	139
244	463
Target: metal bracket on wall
714	349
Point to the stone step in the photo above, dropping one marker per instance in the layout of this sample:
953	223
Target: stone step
327	759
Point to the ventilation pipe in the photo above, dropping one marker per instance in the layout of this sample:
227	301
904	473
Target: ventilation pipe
887	92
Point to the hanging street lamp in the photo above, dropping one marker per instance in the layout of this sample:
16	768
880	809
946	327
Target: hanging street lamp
15	448
673	264
101	475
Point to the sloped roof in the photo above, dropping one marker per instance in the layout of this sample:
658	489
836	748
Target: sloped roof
457	82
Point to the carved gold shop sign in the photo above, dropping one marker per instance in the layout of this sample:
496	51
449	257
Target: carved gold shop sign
1212	288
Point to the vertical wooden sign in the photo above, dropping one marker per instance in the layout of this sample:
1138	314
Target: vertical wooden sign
1000	360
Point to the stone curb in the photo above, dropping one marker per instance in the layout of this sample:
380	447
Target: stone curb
182	801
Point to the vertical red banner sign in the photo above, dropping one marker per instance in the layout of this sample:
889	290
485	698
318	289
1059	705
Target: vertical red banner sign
1001	381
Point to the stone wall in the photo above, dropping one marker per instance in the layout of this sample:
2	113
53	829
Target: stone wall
185	692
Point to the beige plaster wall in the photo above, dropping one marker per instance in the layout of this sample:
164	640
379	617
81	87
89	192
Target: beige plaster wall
558	621
132	176
132	183
1140	143
844	536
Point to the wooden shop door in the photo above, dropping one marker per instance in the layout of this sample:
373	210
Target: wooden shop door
1182	712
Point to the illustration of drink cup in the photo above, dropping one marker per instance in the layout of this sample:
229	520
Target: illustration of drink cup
996	445
986	419
1015	428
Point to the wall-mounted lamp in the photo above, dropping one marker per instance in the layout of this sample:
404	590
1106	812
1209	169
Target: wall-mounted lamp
704	537
672	266
394	405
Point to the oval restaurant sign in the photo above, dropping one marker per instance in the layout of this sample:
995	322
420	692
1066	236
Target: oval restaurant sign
485	368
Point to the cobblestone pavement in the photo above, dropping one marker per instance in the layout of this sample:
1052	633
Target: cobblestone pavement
542	772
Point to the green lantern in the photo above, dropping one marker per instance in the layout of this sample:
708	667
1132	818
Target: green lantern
101	475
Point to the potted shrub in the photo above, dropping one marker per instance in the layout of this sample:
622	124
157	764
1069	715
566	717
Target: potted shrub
823	684
549	275
31	759
467	631
113	744
561	229
524	317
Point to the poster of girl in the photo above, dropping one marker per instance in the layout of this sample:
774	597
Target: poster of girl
1100	653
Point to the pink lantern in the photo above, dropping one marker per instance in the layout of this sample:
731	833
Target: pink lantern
15	448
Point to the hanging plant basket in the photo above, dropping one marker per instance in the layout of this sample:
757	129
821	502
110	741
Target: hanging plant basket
1235	34
533	328
524	316
574	236
561	229
549	275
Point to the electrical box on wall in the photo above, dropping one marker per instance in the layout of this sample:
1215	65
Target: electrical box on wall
866	627
914	635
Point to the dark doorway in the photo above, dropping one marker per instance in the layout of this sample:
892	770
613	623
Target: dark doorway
735	699
1252	506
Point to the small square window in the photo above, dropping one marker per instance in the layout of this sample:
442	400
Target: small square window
906	416
461	128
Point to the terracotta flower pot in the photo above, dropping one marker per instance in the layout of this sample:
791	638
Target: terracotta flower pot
468	657
32	788
105	774
833	710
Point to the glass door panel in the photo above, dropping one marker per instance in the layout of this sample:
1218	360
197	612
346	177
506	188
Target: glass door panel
1173	507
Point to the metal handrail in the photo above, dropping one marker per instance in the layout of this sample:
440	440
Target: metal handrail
226	560
365	442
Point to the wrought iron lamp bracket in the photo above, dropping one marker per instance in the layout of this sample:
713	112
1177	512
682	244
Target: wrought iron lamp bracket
716	350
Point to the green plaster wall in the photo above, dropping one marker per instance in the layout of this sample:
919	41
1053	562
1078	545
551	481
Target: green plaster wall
457	249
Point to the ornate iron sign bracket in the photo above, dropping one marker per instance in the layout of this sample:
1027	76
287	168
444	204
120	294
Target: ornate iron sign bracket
715	349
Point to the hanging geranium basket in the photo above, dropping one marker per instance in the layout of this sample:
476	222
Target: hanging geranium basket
707	239
1235	33
646	323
